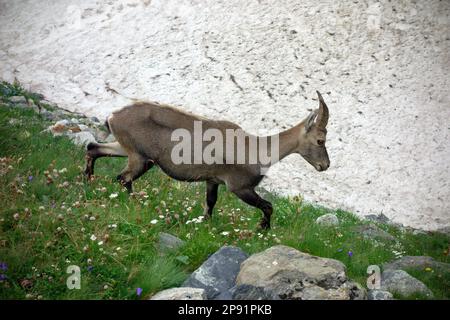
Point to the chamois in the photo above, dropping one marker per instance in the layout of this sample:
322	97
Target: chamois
144	134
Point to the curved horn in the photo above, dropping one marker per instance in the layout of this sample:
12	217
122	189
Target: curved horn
322	118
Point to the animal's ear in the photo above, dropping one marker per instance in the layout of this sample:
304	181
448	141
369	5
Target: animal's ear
309	122
322	118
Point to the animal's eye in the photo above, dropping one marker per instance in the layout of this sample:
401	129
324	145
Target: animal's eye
320	142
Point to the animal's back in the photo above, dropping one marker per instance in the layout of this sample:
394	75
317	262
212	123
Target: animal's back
147	128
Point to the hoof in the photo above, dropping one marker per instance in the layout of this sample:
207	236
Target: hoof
207	216
264	225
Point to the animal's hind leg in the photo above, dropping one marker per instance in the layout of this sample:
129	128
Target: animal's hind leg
97	150
211	198
136	167
250	197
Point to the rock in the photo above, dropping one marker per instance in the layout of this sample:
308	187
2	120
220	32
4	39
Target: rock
64	126
380	218
416	262
371	231
357	291
418	232
328	220
101	135
82	138
33	106
48	115
94	119
183	293
20	105
379	295
400	282
168	242
110	138
18	100
48	103
218	273
292	274
249	292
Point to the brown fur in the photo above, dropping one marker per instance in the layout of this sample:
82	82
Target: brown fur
143	132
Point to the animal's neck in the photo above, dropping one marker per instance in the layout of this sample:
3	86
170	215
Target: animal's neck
288	142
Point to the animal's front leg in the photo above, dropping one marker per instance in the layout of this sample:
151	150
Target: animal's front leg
211	198
250	197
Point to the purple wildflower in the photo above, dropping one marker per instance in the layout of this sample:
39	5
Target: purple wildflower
90	268
30	178
138	291
350	254
3	277
3	266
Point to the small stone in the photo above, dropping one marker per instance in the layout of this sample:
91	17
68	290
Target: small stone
379	295
418	232
82	138
33	106
94	119
83	127
47	115
183	293
380	218
328	220
371	231
168	242
18	99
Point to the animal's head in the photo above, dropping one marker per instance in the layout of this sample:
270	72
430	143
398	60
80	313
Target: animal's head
313	137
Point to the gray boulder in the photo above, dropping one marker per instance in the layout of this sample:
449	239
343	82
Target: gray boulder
328	220
416	262
400	282
218	273
110	138
168	242
371	231
183	293
249	292
292	274
379	295
33	106
18	99
47	115
82	138
379	218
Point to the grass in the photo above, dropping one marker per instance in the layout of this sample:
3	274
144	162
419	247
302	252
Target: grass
51	218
